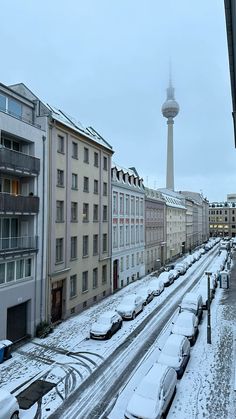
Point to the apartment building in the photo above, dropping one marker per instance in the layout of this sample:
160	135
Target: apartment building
155	230
78	173
128	223
175	223
22	205
200	217
222	217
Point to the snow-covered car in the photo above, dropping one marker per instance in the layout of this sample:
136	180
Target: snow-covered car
107	324
157	286
175	273
154	394
181	268
130	306
186	324
175	353
9	407
167	278
192	302
146	293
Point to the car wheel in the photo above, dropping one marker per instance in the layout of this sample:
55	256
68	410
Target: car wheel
133	315
15	415
109	335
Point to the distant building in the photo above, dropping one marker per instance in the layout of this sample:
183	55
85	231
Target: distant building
127	226
200	229
23	199
155	230
175	223
222	217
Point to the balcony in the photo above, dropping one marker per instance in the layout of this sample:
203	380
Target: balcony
14	161
13	245
18	204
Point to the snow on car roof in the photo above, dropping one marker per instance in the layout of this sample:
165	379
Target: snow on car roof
184	316
150	384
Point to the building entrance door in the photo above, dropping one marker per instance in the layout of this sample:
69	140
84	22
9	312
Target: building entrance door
56	308
115	274
17	322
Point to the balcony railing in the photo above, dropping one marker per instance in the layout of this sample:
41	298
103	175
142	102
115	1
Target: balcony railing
14	244
18	161
19	204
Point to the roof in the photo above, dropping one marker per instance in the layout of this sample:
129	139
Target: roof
173	199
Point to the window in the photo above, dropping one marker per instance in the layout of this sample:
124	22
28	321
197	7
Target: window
74	181
60	211
132	235
104	274
2	265
74	211
137	206
104	189
85	213
95	186
104	243
95	159
115	239
132	205
95	212
121	264
95	244
74	150
73	247
73	286
121	204
104	212
141	207
3	103
85	245
105	163
233	218
28	267
115	203
60	177
137	234
137	258
14	108
59	250
86	184
127	262
127	204
121	235
132	261
60	144
95	277
10	271
86	155
85	281
20	269
126	234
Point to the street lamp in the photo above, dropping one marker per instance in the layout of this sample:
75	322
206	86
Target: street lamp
208	307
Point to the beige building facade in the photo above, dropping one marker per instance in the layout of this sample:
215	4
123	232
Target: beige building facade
222	217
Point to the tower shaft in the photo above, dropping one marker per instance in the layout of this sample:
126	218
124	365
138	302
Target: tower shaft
170	156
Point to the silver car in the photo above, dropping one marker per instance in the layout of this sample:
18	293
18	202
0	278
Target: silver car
130	306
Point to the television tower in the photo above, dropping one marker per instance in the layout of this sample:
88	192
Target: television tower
170	109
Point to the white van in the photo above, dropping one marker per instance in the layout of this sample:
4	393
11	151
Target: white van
192	301
154	394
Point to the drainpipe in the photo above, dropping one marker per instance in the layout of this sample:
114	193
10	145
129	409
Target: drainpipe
42	246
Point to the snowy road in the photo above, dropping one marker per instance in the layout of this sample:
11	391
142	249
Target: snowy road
92	397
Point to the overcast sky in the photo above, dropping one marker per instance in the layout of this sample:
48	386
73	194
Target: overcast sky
106	62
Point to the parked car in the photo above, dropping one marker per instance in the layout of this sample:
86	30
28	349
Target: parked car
176	353
146	293
175	273
154	394
192	302
9	407
186	324
130	306
107	324
181	268
157	286
167	278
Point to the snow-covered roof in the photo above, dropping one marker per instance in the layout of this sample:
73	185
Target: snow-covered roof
71	122
123	169
173	199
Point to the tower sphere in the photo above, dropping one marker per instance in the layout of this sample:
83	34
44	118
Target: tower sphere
170	108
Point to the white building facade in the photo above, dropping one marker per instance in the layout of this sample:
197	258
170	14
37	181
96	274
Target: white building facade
128	226
175	223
